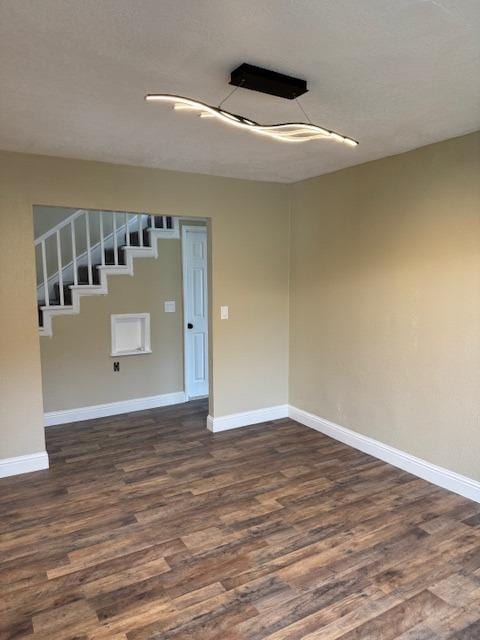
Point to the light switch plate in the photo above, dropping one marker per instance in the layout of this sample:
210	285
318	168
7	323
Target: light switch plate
169	306
223	313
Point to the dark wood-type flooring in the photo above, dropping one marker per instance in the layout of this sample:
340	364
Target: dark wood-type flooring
148	526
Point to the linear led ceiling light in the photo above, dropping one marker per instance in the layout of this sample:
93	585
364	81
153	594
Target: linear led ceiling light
257	79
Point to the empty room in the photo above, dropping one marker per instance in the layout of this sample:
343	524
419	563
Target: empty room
240	327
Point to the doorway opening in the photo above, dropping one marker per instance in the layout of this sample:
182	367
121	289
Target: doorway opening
112	344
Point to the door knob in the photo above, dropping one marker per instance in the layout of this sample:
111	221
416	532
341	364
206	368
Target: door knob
189	325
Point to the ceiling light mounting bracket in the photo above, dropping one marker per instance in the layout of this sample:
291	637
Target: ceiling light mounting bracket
263	80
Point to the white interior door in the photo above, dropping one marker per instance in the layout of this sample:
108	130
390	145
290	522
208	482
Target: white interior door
195	294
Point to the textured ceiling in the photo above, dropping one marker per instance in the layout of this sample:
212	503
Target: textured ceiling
393	74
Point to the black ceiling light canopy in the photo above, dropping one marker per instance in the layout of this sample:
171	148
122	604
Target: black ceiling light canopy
248	76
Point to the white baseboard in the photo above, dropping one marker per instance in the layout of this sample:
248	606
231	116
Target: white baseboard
439	476
23	464
235	420
112	408
432	473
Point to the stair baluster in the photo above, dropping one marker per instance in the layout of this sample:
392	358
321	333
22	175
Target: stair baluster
127	230
60	269
74	253
140	229
45	275
115	240
89	252
102	239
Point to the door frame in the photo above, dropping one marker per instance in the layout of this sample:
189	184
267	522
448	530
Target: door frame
184	230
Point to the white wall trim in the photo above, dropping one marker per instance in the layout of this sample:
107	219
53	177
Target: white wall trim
112	408
417	466
23	464
246	418
439	476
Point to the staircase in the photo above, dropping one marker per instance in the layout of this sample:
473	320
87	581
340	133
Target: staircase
112	241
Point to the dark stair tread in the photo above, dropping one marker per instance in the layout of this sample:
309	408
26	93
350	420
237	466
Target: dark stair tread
67	293
110	257
158	222
83	275
134	239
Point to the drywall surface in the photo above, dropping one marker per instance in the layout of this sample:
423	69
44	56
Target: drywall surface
248	223
385	301
77	367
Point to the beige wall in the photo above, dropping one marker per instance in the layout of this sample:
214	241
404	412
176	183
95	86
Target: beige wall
249	240
77	368
44	218
385	301
384	287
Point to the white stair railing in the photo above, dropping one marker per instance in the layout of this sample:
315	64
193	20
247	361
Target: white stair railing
111	235
56	233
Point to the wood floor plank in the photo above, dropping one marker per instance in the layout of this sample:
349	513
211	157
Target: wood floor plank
147	527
